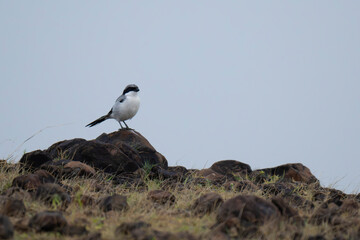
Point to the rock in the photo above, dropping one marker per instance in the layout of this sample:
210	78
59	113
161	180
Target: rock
50	192
12	207
76	168
115	202
64	149
128	227
350	206
161	197
319	196
211	176
251	210
240	186
137	143
31	182
92	236
277	188
298	201
207	203
324	214
75	230
284	209
22	225
17	193
158	172
97	154
48	221
106	157
231	167
317	237
180	170
87	200
33	160
56	168
117	152
232	228
141	231
6	228
335	196
294	171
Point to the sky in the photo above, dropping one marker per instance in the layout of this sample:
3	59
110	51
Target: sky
262	82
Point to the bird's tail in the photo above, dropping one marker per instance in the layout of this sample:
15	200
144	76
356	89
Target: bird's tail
97	121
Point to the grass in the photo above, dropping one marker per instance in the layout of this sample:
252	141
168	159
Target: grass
176	218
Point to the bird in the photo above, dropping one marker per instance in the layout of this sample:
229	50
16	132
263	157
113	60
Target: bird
125	107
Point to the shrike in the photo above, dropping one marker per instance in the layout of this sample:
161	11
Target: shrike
125	107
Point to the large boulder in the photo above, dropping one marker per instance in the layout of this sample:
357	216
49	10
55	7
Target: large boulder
134	141
117	152
249	209
291	171
231	167
33	160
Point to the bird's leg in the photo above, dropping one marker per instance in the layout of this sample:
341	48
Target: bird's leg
127	127
120	125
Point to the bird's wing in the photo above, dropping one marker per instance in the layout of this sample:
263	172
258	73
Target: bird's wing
121	98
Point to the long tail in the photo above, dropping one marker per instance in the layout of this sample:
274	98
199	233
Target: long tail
97	121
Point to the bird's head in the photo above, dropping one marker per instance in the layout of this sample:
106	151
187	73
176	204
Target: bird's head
131	88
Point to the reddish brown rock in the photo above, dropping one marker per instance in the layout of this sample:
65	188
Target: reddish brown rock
136	143
128	227
113	203
18	193
292	172
33	160
87	200
251	210
207	203
12	207
48	192
240	186
161	197
325	213
75	230
6	228
31	182
350	206
231	167
92	236
284	208
211	176
79	169
48	221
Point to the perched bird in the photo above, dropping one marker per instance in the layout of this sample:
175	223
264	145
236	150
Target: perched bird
125	107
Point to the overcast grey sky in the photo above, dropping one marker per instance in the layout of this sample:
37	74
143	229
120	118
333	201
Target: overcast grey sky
262	82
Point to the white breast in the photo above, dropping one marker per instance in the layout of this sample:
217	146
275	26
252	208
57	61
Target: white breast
127	109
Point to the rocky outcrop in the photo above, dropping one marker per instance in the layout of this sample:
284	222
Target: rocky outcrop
250	210
116	153
231	167
291	172
207	203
